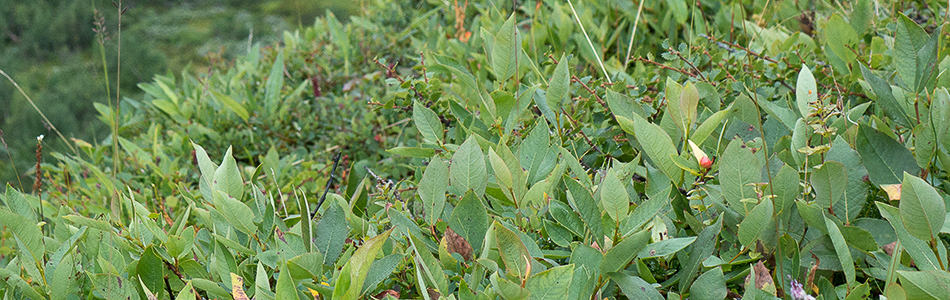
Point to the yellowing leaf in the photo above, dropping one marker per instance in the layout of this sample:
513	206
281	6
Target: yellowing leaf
893	191
237	287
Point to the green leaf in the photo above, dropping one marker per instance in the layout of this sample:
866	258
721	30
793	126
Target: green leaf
559	85
235	212
287	287
861	16
535	153
786	186
553	283
673	94
635	287
149	270
614	197
922	209
840	35
12	279
505	50
646	211
17	203
828	180
586	207
211	287
703	131
622	105
91	223
806	91
932	284
429	265
739	167
470	220
275	82
234	106
709	286
329	235
427	122
357	267
381	270
64	281
841	249
885	158
665	247
855	194
917	249
682	103
753	226
187	293
412	152
909	38
800	136
702	249
623	252
302	266
27	231
512	251
468	171
656	143
432	187
500	170
885	97
227	178
111	286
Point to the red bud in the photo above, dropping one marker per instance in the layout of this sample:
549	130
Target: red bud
705	162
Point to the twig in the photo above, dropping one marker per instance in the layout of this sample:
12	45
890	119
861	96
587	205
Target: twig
336	162
589	90
411	86
422	60
678	54
587	139
662	66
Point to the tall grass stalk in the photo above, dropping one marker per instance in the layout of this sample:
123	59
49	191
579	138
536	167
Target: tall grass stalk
28	99
116	155
589	43
4	142
633	34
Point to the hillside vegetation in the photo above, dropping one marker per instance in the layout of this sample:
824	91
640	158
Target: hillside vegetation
673	149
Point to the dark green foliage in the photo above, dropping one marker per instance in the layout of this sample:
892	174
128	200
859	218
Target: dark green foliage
747	149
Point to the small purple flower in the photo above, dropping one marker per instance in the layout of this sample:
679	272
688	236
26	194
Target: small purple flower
798	293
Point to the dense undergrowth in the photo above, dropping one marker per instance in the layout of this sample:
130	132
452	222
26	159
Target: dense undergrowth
543	150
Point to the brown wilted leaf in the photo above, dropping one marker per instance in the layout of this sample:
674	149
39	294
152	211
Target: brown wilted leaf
385	293
763	278
433	294
889	248
810	285
457	244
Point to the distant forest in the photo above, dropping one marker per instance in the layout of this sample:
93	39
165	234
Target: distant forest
55	50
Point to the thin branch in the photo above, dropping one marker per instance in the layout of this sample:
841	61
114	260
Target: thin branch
336	162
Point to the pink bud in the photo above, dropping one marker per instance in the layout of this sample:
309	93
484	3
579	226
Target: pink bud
705	162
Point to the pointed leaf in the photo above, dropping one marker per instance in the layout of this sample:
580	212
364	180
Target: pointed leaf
828	181
505	49
886	159
806	91
468	170
922	209
427	122
614	197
